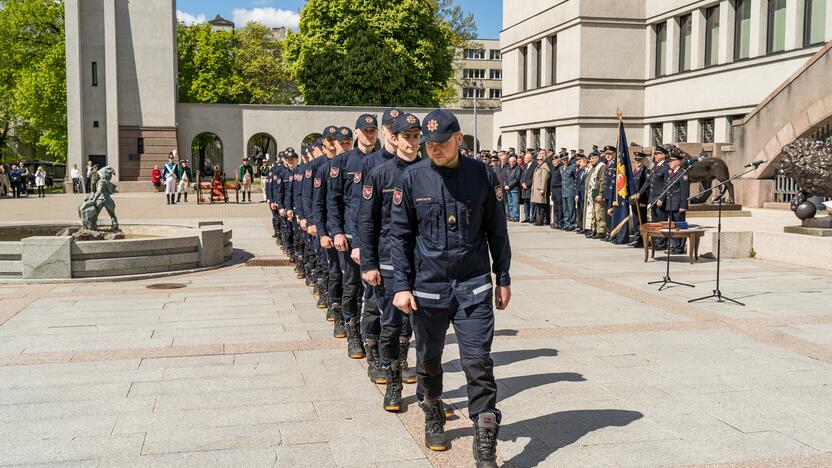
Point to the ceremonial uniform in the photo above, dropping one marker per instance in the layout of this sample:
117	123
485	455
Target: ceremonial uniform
317	258
595	209
610	177
658	181
446	224
640	211
169	179
568	175
185	176
676	200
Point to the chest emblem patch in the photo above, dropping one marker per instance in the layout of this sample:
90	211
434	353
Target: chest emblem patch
317	182
397	197
334	171
367	192
308	173
356	179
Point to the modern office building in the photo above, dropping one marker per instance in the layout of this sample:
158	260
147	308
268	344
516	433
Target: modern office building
479	73
679	70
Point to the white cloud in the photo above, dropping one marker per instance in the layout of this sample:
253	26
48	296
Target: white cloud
272	17
188	18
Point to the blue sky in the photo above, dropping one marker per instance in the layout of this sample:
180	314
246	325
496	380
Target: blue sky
487	13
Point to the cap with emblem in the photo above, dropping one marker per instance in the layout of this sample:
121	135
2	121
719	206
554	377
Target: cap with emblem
438	126
405	122
344	133
319	143
639	155
330	132
366	121
290	153
609	148
390	115
661	150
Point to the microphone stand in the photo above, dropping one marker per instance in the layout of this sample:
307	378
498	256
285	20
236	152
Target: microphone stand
667	280
717	294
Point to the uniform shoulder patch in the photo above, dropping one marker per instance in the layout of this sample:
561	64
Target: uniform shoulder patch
317	182
397	197
356	179
367	192
685	177
308	173
334	171
279	180
498	192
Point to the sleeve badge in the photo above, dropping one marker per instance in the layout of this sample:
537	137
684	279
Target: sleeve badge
356	179
367	192
334	171
308	173
397	197
317	182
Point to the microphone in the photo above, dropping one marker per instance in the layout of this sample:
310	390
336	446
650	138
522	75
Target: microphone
693	161
755	164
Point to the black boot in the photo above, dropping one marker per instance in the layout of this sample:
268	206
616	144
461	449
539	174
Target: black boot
435	427
309	280
332	312
355	349
340	329
322	300
186	197
373	365
167	197
485	440
393	394
408	376
179	197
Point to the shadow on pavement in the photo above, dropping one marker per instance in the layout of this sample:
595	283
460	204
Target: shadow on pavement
513	385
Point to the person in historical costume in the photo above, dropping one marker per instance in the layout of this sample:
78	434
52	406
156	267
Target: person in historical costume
185	176
595	199
245	175
169	178
100	198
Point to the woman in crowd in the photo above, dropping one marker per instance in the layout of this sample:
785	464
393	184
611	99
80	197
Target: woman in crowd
40	182
540	188
156	178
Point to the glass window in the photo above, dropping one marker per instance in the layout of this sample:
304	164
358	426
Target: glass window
814	23
473	73
469	93
536	138
496	93
680	131
496	55
712	36
661	48
657	130
524	67
742	30
706	128
554	40
474	54
776	40
495	74
685	35
140	146
538	47
550	137
522	141
95	73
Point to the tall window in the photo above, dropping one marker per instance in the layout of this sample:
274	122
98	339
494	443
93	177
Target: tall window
469	93
536	138
524	67
496	93
554	40
661	48
685	35
495	54
680	131
538	47
742	30
473	73
140	146
657	131
474	54
495	74
523	145
731	120
550	137
712	36
814	22
776	38
706	129
95	73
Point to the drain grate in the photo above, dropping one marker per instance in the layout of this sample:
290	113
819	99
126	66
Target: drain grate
268	262
166	286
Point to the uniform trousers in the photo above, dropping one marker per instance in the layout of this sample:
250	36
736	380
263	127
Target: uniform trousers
370	313
297	237
351	275
395	325
276	223
320	273
579	214
657	215
599	217
334	276
287	236
557	210
474	328
568	205
677	244
311	254
639	214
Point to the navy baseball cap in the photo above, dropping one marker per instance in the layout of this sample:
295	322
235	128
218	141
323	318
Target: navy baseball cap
390	115
366	121
438	126
405	122
344	133
330	132
319	143
290	153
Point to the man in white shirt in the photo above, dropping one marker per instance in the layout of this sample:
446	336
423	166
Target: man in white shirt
75	174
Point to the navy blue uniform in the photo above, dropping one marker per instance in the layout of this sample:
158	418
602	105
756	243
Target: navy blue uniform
374	236
445	223
658	182
677	199
609	192
297	208
556	193
319	217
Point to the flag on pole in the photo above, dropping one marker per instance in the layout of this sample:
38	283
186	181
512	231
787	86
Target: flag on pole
625	187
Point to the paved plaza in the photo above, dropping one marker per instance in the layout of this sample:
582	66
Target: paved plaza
238	367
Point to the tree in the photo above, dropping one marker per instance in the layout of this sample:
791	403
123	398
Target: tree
33	78
376	52
261	58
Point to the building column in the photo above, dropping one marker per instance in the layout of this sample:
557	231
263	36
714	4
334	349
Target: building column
672	55
650	42
667	132
75	113
697	39
546	77
111	86
694	131
647	135
531	66
722	130
726	31
794	24
529	138
759	26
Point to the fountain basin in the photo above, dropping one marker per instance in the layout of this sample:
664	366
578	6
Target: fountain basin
39	252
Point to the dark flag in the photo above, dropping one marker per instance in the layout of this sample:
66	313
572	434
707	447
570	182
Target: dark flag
624	187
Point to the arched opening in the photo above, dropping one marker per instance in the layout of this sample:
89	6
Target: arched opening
468	140
309	140
206	151
259	145
500	143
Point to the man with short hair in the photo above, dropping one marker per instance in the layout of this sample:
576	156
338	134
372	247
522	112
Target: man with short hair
447	221
513	174
529	209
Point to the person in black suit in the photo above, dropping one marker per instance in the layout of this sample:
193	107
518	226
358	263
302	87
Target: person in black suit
555	191
582	162
639	205
658	182
676	200
529	208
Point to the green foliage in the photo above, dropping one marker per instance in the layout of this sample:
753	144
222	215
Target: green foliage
241	67
33	78
376	52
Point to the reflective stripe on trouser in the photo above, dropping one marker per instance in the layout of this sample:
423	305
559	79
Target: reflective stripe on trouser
352	286
474	329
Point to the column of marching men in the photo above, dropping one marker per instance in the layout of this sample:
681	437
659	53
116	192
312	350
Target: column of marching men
398	248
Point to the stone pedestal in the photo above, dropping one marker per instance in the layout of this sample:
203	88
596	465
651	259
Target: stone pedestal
46	258
808	231
211	241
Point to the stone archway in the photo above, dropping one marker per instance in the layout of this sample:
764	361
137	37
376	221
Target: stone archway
309	140
259	145
468	140
206	152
